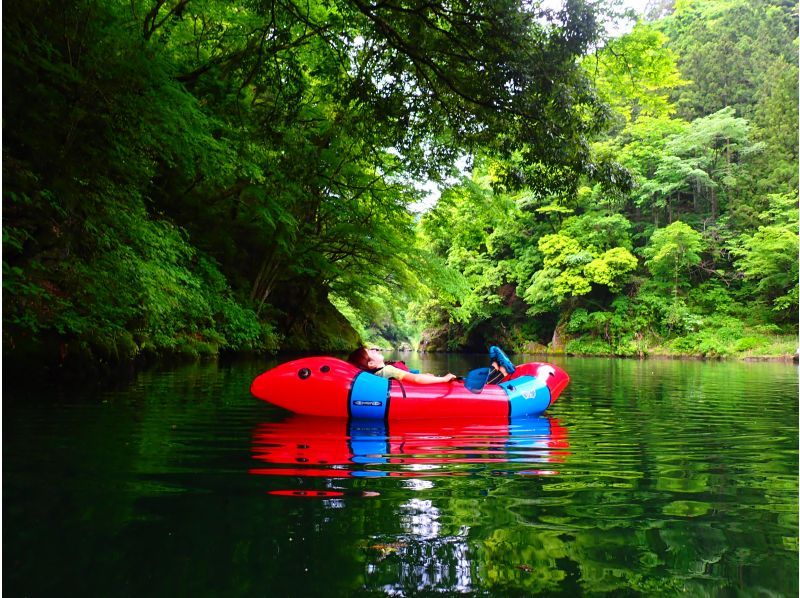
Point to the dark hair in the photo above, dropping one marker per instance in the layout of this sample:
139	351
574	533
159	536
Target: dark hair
360	358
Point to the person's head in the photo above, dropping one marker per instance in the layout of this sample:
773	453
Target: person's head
366	359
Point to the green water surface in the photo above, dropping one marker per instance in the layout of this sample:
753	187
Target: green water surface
645	478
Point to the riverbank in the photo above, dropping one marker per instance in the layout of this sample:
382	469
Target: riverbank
786	358
735	340
84	368
784	349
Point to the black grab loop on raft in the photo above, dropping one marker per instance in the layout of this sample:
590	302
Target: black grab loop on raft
402	388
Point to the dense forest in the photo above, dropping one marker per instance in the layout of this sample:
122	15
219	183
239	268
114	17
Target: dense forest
198	176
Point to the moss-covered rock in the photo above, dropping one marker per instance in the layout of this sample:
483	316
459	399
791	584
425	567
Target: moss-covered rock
531	348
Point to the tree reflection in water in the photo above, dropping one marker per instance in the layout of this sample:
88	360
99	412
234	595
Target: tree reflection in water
416	544
422	558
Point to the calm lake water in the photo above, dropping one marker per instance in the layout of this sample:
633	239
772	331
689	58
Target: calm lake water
645	478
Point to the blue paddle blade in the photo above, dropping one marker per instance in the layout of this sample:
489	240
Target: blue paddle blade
475	380
496	354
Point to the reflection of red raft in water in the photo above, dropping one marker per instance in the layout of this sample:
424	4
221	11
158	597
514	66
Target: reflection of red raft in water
326	386
337	448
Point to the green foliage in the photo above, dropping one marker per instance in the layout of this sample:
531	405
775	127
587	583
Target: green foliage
280	141
769	258
724	49
599	230
673	251
703	163
474	231
207	176
561	275
570	266
612	268
622	330
710	209
720	336
149	289
776	117
588	346
636	72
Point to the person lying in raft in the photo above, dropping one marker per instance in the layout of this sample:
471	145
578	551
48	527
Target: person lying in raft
371	360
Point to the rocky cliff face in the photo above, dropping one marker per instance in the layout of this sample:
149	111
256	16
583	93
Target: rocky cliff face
311	323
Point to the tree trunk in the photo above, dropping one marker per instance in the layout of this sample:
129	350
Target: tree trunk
713	204
267	275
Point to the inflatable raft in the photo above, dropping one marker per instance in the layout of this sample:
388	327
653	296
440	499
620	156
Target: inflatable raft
330	387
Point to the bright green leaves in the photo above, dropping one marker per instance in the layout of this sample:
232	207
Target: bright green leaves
729	172
570	269
769	259
562	275
635	73
722	132
561	251
593	248
708	154
600	231
612	268
672	251
680	167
